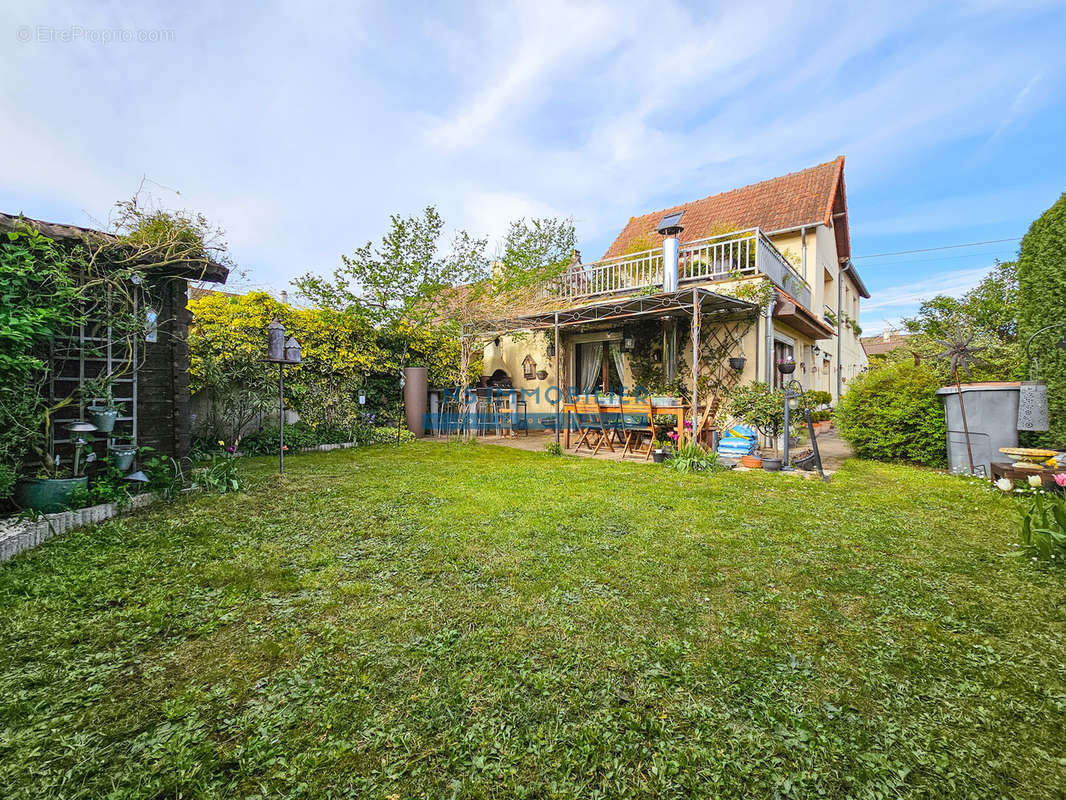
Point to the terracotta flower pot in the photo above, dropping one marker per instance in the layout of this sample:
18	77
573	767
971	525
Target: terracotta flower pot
751	462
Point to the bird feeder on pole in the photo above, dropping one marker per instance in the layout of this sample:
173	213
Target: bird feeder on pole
283	351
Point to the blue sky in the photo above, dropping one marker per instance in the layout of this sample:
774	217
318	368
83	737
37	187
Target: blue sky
300	127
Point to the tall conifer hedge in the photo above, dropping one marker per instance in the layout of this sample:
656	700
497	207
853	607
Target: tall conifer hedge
1042	301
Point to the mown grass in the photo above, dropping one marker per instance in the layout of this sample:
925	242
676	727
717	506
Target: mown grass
472	621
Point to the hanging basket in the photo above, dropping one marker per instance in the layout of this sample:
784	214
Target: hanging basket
737	363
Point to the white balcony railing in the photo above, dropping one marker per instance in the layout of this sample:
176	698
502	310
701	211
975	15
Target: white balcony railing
716	258
619	275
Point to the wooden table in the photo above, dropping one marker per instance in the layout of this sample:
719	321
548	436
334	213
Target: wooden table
677	409
1006	469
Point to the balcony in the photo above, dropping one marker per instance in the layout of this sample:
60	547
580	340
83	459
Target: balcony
726	257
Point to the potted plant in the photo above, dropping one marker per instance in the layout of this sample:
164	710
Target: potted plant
123	451
101	409
786	366
764	409
661	450
53	488
737	363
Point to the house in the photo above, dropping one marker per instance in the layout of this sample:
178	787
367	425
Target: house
762	274
879	346
153	387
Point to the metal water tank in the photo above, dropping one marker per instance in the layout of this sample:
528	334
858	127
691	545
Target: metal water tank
992	419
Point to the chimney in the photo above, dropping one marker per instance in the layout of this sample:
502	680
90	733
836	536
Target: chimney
284	296
887	334
669	228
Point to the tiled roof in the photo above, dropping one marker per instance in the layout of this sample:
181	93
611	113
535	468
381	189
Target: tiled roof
880	344
806	197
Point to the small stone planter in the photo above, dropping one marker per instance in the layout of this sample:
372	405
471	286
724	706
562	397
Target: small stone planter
771	464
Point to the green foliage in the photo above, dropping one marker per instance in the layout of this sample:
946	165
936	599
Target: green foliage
892	413
298	436
690	457
553	448
38	302
989	311
1043	532
166	476
1042	299
761	407
400	278
383	435
817	397
222	475
758	291
342	355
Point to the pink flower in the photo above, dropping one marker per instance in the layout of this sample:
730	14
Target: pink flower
1060	479
673	435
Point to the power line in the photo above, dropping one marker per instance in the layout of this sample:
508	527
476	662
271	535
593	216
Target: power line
945	247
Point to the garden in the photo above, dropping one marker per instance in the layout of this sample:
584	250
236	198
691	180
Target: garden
441	620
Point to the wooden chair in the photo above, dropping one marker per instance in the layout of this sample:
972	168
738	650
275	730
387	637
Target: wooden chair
637	422
590	423
710	413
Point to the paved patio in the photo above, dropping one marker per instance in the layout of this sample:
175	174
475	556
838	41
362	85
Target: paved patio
834	450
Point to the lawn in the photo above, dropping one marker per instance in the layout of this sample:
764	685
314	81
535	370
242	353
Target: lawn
473	621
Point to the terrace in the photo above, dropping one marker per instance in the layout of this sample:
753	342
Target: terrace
726	257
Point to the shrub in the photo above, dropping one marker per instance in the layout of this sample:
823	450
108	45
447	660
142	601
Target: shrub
298	436
553	448
381	435
1041	298
892	413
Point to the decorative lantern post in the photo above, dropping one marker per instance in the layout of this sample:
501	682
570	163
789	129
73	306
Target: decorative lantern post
281	350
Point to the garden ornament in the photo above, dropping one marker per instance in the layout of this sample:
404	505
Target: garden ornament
962	355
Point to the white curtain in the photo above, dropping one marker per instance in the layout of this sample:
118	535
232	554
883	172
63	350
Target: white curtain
619	362
591	364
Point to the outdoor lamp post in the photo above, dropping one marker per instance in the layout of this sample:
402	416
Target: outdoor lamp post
793	393
281	350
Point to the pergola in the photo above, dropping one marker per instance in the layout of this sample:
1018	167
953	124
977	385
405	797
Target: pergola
698	304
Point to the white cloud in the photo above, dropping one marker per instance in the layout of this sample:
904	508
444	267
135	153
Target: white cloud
300	132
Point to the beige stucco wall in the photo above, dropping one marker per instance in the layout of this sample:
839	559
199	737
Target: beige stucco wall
510	354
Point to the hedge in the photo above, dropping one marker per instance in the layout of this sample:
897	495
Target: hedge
1042	298
892	413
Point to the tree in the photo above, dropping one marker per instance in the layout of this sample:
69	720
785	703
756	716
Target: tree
988	312
1042	298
